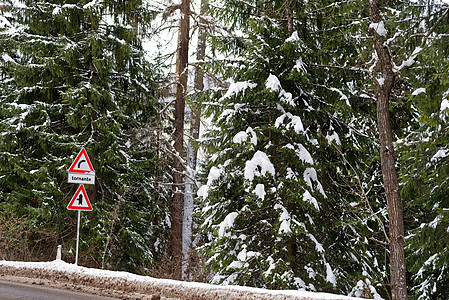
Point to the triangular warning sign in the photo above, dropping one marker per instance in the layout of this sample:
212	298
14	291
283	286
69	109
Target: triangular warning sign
82	163
80	201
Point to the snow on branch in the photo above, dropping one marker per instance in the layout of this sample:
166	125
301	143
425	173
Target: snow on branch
379	28
260	159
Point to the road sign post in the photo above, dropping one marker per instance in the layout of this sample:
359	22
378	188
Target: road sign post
79	202
81	171
77	237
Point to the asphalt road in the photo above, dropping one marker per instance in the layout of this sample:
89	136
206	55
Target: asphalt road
19	291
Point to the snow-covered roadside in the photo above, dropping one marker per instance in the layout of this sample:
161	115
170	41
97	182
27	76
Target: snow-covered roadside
131	286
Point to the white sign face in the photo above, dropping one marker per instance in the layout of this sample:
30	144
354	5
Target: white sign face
81	178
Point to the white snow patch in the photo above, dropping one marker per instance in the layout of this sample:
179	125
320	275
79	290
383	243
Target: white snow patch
436	221
300	282
203	191
427	263
342	95
361	288
381	81
418	91
310	272
333	138
90	4
294	37
56	11
330	276
296	123
300	66
235	265
444	104
318	246
416	51
271	266
442	153
273	83
291	174
260	159
279	120
307	197
227	223
304	155
311	175
379	28
286	98
242	136
214	174
260	191
237	87
4	23
284	219
406	63
7	58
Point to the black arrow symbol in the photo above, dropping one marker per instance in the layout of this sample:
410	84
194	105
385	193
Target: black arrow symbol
80	200
80	162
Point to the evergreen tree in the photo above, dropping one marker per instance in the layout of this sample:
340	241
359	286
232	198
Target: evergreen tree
284	136
74	75
424	154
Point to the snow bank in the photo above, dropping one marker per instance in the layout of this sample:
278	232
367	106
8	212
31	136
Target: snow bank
146	287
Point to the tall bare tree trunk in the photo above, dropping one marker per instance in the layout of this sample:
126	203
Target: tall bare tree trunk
191	156
180	91
387	156
92	189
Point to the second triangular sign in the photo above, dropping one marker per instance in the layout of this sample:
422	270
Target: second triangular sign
80	201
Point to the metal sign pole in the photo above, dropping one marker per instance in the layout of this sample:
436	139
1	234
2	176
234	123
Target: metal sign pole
77	237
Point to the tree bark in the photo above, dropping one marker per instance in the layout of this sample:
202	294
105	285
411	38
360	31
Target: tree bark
92	189
191	156
180	91
387	157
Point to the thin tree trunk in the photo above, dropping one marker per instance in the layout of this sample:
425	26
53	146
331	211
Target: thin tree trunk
191	150
387	156
92	189
180	91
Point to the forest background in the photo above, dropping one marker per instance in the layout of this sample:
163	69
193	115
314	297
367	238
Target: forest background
275	144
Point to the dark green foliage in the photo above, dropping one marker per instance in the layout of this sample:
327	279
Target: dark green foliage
287	199
424	156
74	75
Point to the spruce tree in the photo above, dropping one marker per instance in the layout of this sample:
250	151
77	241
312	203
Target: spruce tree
423	155
282	202
74	75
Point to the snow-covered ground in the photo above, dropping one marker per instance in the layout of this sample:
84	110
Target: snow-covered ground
131	286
